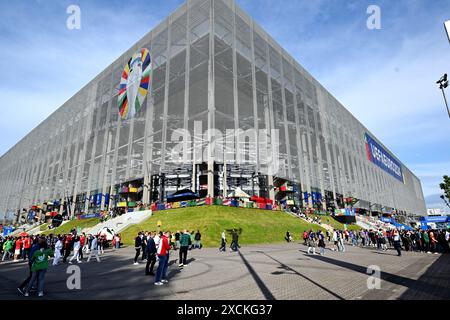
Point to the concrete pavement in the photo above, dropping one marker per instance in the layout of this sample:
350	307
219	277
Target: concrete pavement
280	271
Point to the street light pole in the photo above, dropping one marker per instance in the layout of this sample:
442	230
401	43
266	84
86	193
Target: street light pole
443	83
445	99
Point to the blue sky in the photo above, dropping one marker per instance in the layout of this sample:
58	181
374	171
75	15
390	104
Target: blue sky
386	77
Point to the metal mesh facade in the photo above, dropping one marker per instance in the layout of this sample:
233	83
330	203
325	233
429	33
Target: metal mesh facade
211	63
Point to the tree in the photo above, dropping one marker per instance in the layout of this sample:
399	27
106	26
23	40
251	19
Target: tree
445	186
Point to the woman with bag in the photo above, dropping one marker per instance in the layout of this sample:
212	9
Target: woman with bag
312	242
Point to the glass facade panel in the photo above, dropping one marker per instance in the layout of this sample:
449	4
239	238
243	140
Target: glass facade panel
212	64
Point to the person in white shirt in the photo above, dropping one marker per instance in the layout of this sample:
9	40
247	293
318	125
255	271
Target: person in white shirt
76	250
94	250
335	240
58	248
157	240
223	246
397	243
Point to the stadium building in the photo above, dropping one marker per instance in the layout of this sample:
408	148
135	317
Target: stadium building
209	102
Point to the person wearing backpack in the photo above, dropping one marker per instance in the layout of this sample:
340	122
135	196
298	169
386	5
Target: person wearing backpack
39	267
177	240
312	242
321	243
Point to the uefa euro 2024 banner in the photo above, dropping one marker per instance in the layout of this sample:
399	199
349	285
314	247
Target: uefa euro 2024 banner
134	84
383	159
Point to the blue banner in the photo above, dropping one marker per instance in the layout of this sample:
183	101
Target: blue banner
90	216
98	199
349	212
316	197
435	219
383	159
7	231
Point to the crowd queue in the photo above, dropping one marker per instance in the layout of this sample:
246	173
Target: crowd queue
154	247
429	241
37	250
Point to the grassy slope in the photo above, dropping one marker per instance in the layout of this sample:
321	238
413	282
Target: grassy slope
85	223
334	223
258	226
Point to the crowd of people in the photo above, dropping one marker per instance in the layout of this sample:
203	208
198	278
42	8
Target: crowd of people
430	241
18	248
63	248
234	245
154	247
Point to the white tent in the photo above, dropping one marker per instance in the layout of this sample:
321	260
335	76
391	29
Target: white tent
238	193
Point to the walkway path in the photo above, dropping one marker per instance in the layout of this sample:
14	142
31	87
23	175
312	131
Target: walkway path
281	271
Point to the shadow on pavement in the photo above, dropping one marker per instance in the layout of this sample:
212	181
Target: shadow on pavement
436	280
292	271
420	284
115	277
264	290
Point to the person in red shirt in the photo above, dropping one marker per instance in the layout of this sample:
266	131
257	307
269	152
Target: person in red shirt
68	245
26	248
82	242
163	254
18	249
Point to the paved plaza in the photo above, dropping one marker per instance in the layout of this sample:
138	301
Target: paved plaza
281	272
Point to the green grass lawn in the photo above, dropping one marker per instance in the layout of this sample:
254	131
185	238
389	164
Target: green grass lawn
258	226
65	228
334	223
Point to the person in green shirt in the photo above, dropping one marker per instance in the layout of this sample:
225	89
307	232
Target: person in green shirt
426	241
39	267
7	246
185	242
